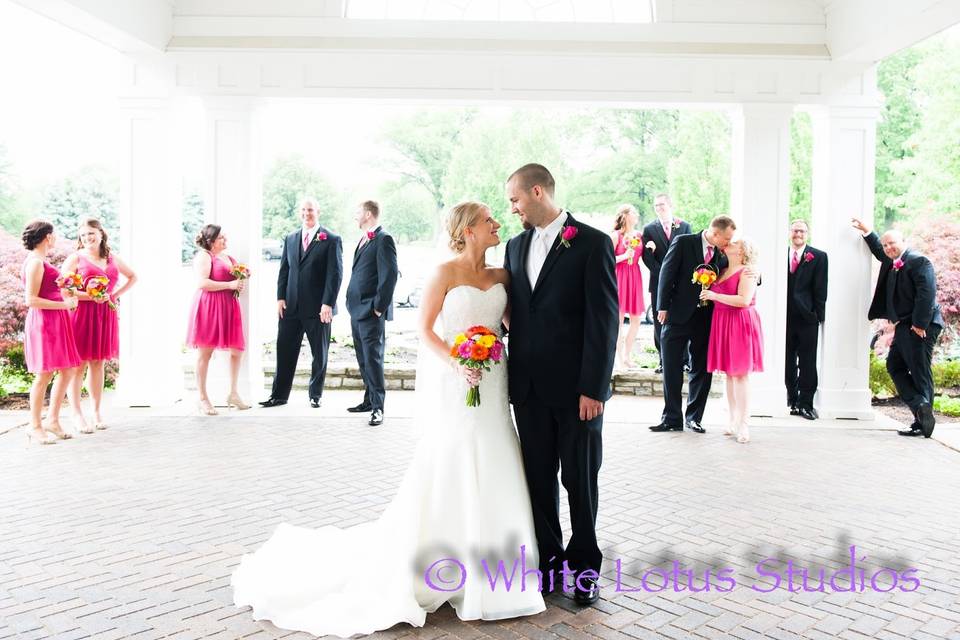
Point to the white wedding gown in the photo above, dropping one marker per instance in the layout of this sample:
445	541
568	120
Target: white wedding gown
464	496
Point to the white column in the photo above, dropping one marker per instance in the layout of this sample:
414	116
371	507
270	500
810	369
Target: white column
152	322
844	163
760	202
233	200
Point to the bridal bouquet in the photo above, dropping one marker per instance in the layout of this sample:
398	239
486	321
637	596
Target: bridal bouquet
70	281
633	243
477	348
705	275
239	271
97	287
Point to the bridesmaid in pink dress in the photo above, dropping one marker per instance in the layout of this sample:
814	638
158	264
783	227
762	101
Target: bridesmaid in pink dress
95	325
736	336
48	343
215	320
629	280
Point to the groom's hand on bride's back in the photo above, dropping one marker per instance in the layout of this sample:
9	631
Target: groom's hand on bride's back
589	408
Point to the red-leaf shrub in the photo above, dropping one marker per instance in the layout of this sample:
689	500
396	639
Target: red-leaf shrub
939	240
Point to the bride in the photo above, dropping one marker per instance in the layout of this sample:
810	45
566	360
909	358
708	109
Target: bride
460	528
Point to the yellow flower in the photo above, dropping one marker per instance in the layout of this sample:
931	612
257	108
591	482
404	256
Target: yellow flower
460	339
487	341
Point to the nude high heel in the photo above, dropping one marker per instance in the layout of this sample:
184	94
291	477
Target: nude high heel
39	436
234	400
206	409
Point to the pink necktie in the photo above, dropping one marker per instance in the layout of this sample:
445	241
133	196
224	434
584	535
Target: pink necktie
709	255
795	262
306	240
666	231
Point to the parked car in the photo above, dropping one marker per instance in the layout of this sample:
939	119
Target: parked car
408	293
272	249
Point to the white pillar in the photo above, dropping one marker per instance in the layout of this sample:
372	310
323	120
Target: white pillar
844	163
152	326
233	200
760	202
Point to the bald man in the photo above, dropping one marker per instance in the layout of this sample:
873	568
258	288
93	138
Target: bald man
906	295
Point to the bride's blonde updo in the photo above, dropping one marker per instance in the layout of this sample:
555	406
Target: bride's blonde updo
461	216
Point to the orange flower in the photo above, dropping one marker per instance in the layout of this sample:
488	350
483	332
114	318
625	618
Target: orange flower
478	330
454	352
479	352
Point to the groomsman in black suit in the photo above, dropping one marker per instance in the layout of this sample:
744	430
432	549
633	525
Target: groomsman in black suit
657	237
906	295
311	270
370	303
563	337
686	325
806	304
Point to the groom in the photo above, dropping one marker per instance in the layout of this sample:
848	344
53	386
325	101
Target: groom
563	336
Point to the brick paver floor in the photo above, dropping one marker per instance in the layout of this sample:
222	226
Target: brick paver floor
134	532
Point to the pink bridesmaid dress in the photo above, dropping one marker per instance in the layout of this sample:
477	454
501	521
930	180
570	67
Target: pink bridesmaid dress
48	342
215	320
95	325
629	280
736	336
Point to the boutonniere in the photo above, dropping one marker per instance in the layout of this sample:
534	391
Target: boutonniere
897	264
676	223
371	235
567	234
808	257
321	236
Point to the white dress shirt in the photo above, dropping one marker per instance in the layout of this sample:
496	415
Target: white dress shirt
543	239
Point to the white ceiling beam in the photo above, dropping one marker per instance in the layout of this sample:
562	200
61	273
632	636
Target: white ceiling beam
870	30
125	25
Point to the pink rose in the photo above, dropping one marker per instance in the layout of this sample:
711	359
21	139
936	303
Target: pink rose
371	235
808	256
321	236
897	264
569	233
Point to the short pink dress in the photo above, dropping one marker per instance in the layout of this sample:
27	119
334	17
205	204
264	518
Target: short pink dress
48	342
95	325
629	279
736	336
215	321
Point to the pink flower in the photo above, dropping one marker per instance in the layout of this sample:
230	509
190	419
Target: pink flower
676	223
496	351
321	236
568	233
465	348
371	235
808	256
897	264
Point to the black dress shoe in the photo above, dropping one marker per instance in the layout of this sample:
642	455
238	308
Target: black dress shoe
807	414
272	402
587	591
664	427
376	418
315	403
925	419
913	432
794	411
693	425
363	407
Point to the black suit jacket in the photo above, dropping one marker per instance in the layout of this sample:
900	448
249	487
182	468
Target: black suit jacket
374	277
310	279
915	288
654	259
563	332
676	293
807	287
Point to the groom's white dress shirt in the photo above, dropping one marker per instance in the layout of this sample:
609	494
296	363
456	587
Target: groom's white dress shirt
543	239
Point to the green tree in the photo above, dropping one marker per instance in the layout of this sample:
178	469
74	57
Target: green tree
699	173
88	193
12	218
801	166
288	180
407	211
192	216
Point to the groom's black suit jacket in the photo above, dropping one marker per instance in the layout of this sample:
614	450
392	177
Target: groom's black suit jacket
914	288
374	277
311	278
563	332
807	287
654	259
676	293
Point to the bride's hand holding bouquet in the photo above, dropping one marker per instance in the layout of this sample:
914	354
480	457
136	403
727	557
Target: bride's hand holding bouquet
473	352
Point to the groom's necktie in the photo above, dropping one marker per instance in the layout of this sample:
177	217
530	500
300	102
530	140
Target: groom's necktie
306	241
666	231
795	262
708	256
538	255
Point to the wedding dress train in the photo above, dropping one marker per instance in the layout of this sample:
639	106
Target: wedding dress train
453	533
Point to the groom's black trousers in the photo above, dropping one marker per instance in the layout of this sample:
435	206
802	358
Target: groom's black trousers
674	341
555	439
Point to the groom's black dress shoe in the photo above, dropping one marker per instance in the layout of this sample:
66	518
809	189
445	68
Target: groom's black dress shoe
794	411
272	402
913	432
806	414
315	403
363	407
664	427
693	425
586	591
925	419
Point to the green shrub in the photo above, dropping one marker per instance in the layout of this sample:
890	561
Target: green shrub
14	358
880	383
946	375
947	406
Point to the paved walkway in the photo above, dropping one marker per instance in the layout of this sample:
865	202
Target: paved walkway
134	532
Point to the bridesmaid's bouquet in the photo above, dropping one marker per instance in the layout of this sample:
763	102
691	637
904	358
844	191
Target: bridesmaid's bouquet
239	271
705	275
98	289
477	348
633	243
72	282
